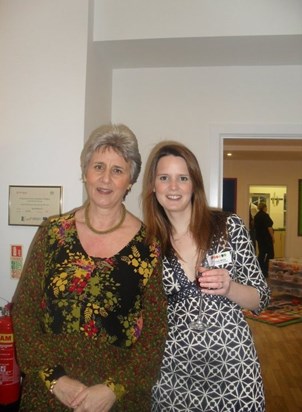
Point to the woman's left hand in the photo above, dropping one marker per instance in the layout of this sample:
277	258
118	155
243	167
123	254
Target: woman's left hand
97	398
214	281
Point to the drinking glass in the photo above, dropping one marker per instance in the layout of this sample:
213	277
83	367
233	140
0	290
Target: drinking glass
199	323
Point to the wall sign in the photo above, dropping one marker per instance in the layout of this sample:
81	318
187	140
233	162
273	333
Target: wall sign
31	205
16	261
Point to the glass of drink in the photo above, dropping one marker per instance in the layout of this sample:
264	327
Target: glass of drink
199	323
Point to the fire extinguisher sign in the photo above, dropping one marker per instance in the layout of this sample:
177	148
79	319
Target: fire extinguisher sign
16	261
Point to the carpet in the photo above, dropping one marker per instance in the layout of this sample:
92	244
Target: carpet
283	310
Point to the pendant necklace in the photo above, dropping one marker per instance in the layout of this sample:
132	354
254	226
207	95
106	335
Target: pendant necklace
111	229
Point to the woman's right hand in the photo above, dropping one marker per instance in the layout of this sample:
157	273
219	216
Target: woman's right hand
67	389
96	398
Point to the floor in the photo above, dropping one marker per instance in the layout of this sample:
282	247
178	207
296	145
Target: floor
280	354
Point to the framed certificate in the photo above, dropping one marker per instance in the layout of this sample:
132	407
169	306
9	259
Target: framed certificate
31	205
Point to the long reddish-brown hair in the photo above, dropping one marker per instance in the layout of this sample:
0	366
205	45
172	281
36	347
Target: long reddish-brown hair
202	217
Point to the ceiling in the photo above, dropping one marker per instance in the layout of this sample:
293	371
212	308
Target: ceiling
263	149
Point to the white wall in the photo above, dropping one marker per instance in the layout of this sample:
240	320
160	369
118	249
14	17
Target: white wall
43	49
145	19
98	82
187	104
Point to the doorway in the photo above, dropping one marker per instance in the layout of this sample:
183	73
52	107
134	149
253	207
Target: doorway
275	199
266	162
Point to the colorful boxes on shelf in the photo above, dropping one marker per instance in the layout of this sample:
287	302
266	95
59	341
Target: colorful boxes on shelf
285	275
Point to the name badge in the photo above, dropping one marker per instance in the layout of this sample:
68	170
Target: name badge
219	259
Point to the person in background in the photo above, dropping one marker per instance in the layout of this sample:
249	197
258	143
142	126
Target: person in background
264	232
210	272
89	314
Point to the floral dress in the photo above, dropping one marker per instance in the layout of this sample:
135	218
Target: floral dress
98	320
215	370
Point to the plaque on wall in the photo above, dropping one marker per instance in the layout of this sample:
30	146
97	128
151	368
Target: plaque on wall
31	205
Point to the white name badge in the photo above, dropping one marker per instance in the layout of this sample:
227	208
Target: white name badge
219	259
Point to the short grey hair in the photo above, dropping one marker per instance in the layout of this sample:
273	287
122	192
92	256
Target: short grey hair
262	206
118	137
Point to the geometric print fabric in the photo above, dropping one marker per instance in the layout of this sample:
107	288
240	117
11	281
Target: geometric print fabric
216	370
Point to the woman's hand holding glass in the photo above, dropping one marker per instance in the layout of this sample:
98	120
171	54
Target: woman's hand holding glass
214	281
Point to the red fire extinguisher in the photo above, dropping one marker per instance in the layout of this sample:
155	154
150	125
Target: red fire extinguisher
10	381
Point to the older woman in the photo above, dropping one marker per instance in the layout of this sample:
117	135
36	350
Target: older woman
89	313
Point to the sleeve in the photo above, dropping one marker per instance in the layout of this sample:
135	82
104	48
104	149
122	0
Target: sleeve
139	366
270	222
247	267
35	350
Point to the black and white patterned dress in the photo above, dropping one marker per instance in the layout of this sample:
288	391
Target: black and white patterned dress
216	370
